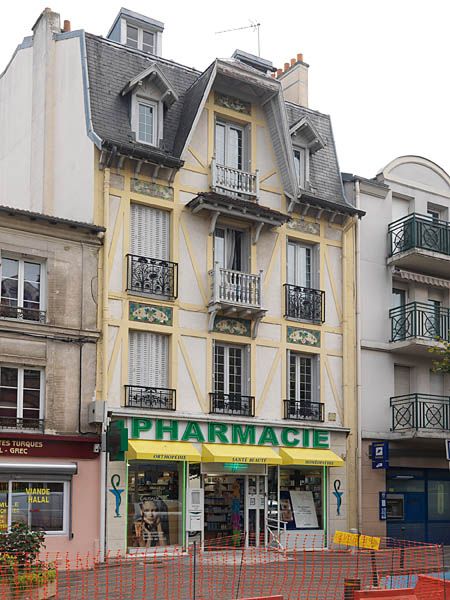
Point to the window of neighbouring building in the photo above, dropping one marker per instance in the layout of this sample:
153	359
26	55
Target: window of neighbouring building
42	505
21	289
21	397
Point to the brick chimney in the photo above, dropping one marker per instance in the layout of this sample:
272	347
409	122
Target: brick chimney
294	80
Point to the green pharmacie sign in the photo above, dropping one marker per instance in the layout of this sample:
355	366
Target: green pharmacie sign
174	430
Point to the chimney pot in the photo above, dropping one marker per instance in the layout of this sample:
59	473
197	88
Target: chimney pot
293	61
286	66
279	72
66	26
300	57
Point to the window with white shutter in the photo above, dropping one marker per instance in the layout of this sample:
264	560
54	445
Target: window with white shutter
150	232
148	359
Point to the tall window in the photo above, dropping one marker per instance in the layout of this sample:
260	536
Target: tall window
301	164
132	36
303	400
21	289
300	265
21	397
148	360
231	249
148	42
231	145
147	123
230	370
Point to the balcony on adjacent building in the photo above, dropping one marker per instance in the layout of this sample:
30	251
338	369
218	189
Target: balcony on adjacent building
420	412
416	325
22	424
304	304
232	404
234	182
22	313
152	398
300	410
421	243
152	276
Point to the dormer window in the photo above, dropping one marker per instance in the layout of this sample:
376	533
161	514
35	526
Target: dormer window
306	140
147	122
150	91
137	31
132	36
148	42
301	164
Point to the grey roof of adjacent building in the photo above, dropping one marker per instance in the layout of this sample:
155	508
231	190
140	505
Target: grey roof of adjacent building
11	211
324	170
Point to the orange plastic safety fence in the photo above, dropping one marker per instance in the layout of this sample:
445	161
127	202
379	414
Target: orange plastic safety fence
229	568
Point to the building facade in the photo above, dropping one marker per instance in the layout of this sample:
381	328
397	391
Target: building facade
49	455
404	283
226	368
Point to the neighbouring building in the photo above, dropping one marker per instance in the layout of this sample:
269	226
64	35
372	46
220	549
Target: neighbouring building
227	360
405	287
49	455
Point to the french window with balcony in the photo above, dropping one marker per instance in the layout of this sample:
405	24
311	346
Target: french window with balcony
149	269
231	381
302	300
303	387
21	398
22	289
148	372
231	165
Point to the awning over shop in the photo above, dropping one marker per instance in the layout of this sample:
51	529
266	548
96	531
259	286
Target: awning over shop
233	453
152	450
311	457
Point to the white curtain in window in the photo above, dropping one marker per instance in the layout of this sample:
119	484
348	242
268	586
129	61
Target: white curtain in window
150	232
148	359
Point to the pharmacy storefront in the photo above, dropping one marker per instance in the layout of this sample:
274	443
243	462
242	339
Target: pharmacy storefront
173	481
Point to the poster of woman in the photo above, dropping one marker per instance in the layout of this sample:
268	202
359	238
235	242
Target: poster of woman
151	522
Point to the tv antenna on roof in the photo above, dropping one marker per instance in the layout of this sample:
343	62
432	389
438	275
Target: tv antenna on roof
254	26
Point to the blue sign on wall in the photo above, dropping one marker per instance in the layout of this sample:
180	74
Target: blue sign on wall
382	506
380	455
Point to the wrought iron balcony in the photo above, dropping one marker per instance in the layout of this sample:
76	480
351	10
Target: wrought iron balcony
236	288
232	404
152	276
22	314
420	411
300	410
419	231
20	424
227	180
304	304
419	320
138	396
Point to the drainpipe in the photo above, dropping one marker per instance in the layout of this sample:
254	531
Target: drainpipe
358	357
105	316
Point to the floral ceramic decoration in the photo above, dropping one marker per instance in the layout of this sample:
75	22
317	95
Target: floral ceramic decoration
304	337
232	326
233	103
161	315
304	226
150	188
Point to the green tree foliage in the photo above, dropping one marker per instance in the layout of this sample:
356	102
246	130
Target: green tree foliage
442	364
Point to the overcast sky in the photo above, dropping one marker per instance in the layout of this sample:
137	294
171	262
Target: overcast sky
379	67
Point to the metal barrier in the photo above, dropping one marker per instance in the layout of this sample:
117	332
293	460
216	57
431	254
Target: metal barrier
223	572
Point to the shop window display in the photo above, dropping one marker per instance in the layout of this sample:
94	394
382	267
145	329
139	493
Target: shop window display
301	492
154	504
224	507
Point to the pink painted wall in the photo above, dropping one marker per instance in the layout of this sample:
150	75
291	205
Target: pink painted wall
85	511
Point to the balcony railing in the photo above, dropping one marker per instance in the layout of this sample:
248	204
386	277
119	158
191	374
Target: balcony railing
235	287
22	314
232	404
303	303
420	411
138	396
304	411
419	231
234	181
152	276
419	319
19	424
